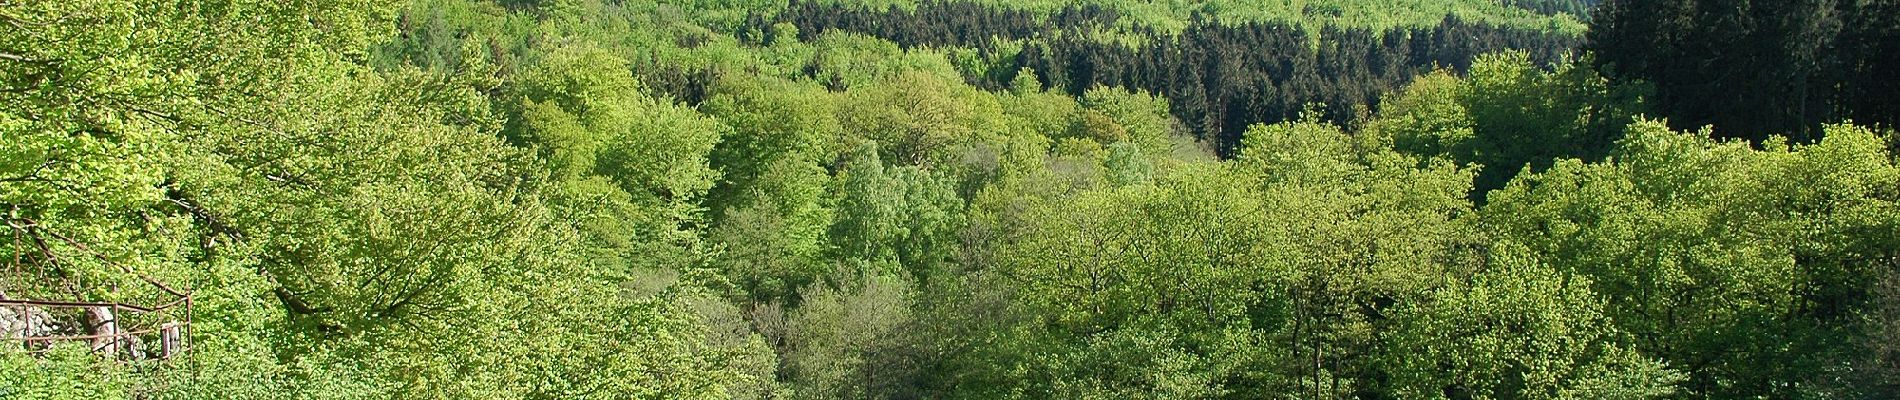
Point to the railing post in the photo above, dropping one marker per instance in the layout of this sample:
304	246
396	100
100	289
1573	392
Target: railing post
168	340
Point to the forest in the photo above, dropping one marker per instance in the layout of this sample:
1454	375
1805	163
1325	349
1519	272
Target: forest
949	199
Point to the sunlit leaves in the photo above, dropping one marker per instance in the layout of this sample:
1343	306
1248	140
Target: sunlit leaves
1517	329
1720	258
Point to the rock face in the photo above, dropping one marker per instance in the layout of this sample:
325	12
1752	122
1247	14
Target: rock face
25	321
18	322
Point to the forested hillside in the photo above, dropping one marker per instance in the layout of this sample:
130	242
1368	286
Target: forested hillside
832	199
1219	76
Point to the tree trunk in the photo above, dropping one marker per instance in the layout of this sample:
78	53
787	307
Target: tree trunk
105	329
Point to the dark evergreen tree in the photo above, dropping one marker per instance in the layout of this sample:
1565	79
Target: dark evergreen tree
1753	69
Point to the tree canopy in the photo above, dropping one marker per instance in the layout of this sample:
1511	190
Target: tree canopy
974	199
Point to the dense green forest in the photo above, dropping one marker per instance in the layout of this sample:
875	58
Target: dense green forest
969	199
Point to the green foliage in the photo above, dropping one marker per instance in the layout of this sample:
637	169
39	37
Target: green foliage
770	220
850	60
770	249
1509	115
347	233
922	119
1043	113
1174	16
631	167
637	199
904	216
1127	165
1355	229
845	338
1706	242
773	122
590	117
1427	118
1526	117
1109	270
1880	360
1518	329
1116	115
66	371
